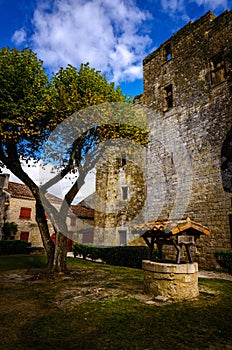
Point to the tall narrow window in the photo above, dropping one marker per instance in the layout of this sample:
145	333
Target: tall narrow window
217	67
123	159
167	52
168	97
124	192
72	221
25	213
123	237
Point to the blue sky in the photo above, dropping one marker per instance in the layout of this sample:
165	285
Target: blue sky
113	35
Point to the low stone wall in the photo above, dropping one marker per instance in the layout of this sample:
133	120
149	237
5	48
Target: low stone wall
169	281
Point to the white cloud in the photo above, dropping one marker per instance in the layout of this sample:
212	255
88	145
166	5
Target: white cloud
19	37
179	8
41	174
172	6
212	4
105	33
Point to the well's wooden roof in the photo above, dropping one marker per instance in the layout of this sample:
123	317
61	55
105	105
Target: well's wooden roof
172	227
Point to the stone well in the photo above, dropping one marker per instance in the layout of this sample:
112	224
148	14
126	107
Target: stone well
170	281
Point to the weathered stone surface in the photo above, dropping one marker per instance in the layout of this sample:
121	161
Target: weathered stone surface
201	118
198	118
171	281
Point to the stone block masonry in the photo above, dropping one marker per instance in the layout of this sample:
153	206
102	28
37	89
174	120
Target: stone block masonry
187	85
166	281
187	82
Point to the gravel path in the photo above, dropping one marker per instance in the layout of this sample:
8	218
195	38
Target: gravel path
217	275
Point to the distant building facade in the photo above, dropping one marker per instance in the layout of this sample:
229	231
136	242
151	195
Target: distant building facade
20	208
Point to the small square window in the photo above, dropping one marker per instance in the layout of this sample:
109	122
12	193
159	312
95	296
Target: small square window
25	213
87	237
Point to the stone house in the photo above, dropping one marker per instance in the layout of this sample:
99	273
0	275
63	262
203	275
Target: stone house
21	210
187	85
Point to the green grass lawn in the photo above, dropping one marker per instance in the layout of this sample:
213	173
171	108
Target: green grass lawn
97	308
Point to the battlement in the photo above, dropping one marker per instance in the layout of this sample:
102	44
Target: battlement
205	23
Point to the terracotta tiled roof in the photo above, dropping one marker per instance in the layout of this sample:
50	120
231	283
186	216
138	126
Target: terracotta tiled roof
18	190
82	211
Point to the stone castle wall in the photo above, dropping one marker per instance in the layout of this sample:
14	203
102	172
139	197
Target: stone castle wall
198	117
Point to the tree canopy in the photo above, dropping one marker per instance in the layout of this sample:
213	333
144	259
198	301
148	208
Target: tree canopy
32	106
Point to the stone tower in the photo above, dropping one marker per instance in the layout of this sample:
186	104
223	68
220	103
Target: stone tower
187	82
120	195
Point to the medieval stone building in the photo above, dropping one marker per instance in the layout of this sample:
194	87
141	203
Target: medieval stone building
188	87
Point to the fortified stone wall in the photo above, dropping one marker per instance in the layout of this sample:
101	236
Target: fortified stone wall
186	83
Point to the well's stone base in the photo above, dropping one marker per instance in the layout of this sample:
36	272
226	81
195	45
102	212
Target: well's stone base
166	281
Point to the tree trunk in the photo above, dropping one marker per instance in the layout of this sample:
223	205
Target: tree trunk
56	258
44	232
61	249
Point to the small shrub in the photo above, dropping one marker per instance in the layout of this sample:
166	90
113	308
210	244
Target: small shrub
9	230
81	250
224	258
14	247
128	256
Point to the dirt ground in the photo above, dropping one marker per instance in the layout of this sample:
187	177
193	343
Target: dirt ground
84	285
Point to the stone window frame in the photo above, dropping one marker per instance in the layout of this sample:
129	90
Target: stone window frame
123	240
125	192
167	52
217	69
168	97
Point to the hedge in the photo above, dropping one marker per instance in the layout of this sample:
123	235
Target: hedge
14	247
129	256
224	258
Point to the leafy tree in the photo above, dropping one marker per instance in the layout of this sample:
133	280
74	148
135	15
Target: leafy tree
79	142
26	103
31	107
